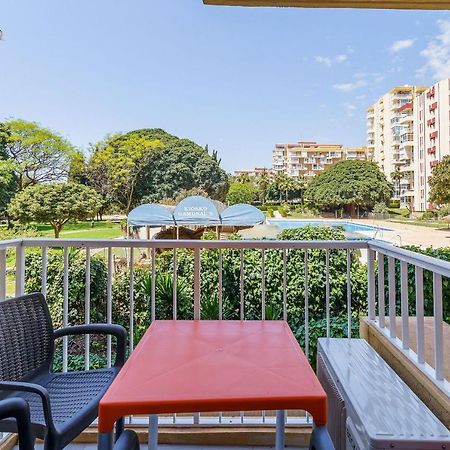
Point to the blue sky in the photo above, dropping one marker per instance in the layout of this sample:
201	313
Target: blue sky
238	79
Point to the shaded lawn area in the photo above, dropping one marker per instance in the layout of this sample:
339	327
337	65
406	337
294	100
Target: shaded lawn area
78	230
84	230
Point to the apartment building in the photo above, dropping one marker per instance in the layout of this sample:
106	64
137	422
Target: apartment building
390	137
308	158
431	138
257	171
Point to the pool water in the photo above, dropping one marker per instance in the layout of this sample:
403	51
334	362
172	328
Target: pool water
351	229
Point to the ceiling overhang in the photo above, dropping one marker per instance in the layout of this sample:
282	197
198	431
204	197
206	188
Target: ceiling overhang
368	4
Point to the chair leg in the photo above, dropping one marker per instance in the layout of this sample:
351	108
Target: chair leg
120	426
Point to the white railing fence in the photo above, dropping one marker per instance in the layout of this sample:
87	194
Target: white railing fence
391	291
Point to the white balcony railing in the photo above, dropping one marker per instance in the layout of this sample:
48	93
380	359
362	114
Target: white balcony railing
392	274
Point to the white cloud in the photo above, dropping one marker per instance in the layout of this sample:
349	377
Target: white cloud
341	58
402	44
347	87
349	109
329	61
437	54
325	60
378	79
361	79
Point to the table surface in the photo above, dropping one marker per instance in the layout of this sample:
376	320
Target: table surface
207	366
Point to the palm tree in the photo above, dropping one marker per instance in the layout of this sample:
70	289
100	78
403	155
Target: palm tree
396	176
300	184
263	183
284	183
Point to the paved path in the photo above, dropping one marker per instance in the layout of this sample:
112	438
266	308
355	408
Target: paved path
407	234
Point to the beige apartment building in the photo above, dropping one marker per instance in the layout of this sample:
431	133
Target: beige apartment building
310	158
409	130
256	172
390	136
431	138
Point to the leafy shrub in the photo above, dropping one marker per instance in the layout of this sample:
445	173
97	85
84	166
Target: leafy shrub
77	283
283	210
209	281
76	362
318	329
19	231
394	203
142	299
440	253
252	278
428	215
444	211
380	208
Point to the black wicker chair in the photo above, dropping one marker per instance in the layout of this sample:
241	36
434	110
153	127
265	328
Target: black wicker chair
61	405
320	439
18	409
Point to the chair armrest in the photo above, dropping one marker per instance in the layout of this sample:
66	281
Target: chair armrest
128	440
18	408
100	328
21	386
320	439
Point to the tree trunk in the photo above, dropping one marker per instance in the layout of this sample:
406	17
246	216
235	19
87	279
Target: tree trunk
57	230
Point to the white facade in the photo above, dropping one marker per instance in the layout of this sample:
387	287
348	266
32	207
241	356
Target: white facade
390	133
431	137
310	158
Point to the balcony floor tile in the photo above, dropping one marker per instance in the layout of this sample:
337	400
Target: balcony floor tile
170	447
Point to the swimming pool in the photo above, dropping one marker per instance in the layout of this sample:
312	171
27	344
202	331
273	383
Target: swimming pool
349	227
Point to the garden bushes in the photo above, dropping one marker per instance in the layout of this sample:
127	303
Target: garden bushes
440	253
77	283
252	279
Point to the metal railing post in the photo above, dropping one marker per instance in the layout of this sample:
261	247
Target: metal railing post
197	284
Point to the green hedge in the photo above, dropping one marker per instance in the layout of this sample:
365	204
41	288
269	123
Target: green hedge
252	277
440	253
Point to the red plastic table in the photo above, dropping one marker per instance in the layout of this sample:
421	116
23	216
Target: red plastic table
206	366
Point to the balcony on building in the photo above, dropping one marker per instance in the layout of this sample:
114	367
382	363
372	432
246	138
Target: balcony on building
407	139
407	120
407	167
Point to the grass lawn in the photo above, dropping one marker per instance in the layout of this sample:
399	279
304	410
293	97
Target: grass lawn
84	230
399	216
300	215
421	223
399	212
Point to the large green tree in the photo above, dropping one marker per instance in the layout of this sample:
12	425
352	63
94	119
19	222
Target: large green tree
349	184
118	163
241	193
40	154
8	177
150	165
440	182
8	184
55	203
179	165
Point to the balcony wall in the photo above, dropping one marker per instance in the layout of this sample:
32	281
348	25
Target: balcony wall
398	284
